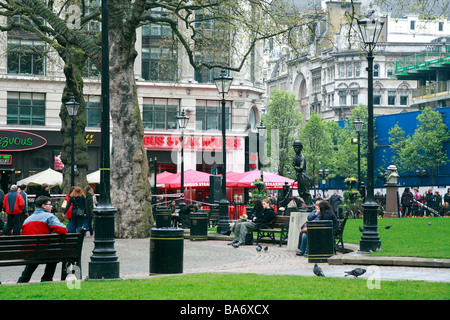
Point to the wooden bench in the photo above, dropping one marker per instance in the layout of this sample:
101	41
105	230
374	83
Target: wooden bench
42	249
280	225
338	240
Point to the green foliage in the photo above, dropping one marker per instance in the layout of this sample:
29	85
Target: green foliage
317	144
259	192
345	152
284	116
352	204
424	150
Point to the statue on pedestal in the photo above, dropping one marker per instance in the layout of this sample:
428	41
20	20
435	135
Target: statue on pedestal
302	178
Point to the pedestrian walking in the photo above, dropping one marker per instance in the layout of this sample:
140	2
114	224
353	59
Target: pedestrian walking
13	204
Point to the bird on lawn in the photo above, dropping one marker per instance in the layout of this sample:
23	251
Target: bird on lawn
388	227
258	248
355	272
361	229
318	271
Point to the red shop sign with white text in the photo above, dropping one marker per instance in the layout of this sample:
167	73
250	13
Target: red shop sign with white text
191	142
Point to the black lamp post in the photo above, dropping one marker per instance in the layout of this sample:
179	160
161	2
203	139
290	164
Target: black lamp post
370	29
421	174
182	124
261	130
358	127
104	264
223	84
324	173
72	109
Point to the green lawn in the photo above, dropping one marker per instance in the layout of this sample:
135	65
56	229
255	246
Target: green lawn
408	237
230	287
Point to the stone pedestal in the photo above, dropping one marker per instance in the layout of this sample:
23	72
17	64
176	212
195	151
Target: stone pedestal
392	208
295	224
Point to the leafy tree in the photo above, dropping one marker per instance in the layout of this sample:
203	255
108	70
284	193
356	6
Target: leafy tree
283	115
424	150
317	146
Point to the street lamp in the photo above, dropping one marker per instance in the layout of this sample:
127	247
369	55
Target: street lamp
324	173
104	262
421	174
358	127
261	130
182	124
223	84
72	109
370	29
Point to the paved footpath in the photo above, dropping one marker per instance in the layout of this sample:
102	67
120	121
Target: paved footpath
214	256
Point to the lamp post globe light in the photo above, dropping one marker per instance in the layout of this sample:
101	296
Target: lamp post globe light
223	84
182	120
72	109
358	127
261	130
370	29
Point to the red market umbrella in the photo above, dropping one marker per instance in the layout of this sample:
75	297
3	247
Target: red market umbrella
162	178
246	179
192	179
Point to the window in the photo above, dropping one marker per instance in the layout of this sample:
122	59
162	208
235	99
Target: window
441	26
342	71
25	108
403	98
343	97
377	97
159	51
349	70
160	113
390	70
209	115
376	70
357	69
391	98
412	25
354	97
92	111
26	57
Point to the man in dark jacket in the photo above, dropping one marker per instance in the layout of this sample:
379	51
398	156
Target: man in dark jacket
261	217
406	201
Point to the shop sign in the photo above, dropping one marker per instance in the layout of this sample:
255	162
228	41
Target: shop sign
5	159
191	142
16	140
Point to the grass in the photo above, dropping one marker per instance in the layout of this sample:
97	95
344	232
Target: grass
408	237
230	287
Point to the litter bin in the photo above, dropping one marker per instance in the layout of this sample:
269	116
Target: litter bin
166	250
199	226
163	218
320	240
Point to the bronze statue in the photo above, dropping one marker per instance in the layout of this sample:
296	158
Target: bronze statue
302	178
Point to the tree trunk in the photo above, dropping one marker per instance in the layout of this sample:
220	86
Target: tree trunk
74	62
130	188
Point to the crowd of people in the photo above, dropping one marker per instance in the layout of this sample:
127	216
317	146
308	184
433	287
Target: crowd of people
430	203
78	206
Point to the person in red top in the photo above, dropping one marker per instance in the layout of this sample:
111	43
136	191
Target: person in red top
42	221
13	204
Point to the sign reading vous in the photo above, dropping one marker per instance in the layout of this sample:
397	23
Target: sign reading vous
16	140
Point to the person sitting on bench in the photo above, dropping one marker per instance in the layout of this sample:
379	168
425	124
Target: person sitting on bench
42	221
